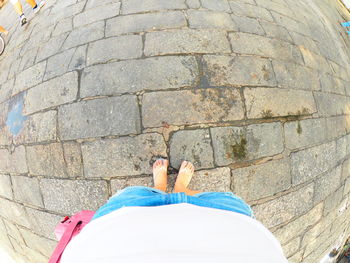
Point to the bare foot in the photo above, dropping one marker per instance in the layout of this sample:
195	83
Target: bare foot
184	178
160	176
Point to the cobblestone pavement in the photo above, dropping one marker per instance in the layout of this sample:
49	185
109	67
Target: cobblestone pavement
254	92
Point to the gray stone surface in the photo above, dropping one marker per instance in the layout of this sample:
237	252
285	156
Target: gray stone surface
332	84
233	70
122	47
275	31
234	144
57	64
6	90
123	156
210	19
145	22
244	9
193	3
26	190
191	106
292	247
331	104
186	41
327	184
52	93
134	6
333	200
74	196
51	47
191	145
290	23
215	180
256	182
14	212
314	60
78	60
6	186
133	76
248	25
219	5
63	26
284	208
17	157
120	183
272	102
100	117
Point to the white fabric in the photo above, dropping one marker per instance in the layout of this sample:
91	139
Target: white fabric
174	233
14	2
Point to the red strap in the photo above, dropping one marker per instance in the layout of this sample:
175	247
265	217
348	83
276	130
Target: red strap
67	236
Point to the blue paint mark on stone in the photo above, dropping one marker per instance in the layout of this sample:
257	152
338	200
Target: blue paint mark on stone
15	119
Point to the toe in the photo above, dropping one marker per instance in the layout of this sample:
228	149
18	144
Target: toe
166	162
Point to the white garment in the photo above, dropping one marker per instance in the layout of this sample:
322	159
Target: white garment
174	233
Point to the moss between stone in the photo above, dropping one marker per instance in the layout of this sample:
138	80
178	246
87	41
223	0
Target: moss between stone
239	149
299	129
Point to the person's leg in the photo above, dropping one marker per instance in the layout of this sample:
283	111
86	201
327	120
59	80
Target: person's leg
184	178
160	176
19	10
32	3
3	30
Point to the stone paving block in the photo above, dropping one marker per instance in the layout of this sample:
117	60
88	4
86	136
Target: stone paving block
63	26
94	3
5	136
191	107
40	127
291	24
336	126
332	104
124	156
215	180
296	76
13	161
272	102
5	108
121	183
346	170
298	134
277	6
122	47
243	9
6	186
43	223
232	70
12	230
145	22
292	247
218	5
99	117
57	64
191	145
51	47
74	195
339	71
14	212
96	14
78	60
327	184
55	160
201	19
28	59
186	41
315	61
299	225
26	190
135	6
52	93
63	13
332	84
284	208
307	42
248	25
234	144
85	35
259	181
275	31
133	75
245	43
6	90
309	163
29	77
14	68
193	3
333	200
346	187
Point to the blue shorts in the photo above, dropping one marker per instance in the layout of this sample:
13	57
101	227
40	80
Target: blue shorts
146	196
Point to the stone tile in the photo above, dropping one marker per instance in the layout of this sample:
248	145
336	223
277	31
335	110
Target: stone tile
124	156
244	43
29	77
191	107
55	160
28	59
96	14
291	24
134	6
295	76
299	225
52	93
314	61
145	22
272	102
6	186
215	180
6	90
13	161
277	6
5	136
327	184
333	200
133	76
307	42
218	5
275	31
99	117
12	230
78	60
186	41
26	190
332	104
63	26
332	84
309	163
85	35
297	257
240	71
193	3
201	19
14	212
94	3
248	25
259	181
121	183
40	127
346	187
51	47
294	204
243	9
292	247
57	64
336	126
234	144
298	134
14	69
122	47
193	146
63	13
74	195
